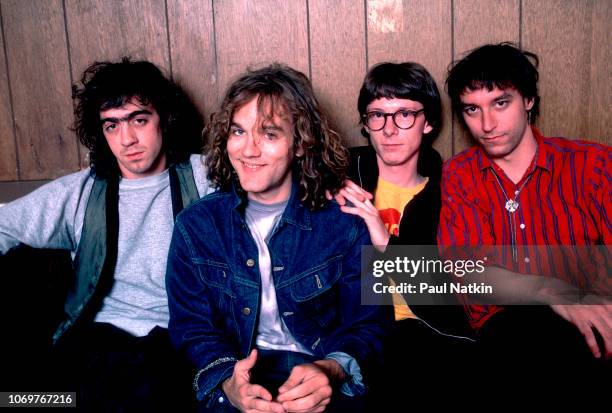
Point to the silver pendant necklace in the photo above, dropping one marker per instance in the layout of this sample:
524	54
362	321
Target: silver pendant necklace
511	206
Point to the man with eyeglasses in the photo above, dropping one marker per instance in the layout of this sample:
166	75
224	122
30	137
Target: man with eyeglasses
395	188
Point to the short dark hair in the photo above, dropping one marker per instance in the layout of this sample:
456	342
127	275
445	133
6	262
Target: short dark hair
280	88
502	65
106	85
406	80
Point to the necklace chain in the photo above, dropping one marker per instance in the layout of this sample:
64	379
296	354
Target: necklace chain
511	206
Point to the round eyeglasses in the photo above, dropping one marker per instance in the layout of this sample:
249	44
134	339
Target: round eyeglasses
403	119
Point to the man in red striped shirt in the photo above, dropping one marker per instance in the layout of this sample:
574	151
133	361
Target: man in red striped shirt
515	190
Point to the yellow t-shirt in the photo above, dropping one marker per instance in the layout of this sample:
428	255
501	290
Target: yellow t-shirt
390	201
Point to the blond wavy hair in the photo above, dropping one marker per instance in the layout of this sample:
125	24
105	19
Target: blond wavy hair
281	89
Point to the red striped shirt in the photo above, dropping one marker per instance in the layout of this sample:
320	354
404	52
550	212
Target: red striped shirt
564	199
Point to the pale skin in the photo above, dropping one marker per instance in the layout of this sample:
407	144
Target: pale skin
308	389
497	119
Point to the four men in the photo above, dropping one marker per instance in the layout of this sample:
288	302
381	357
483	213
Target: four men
263	276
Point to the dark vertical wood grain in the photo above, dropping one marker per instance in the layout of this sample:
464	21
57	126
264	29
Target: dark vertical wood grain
560	32
192	49
110	29
8	151
256	33
40	82
599	119
418	31
338	61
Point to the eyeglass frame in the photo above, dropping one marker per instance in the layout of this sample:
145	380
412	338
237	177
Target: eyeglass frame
414	113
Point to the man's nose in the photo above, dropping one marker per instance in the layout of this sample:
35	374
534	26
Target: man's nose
389	129
128	135
489	121
251	146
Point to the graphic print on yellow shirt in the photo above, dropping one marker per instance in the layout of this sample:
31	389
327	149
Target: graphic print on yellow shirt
390	201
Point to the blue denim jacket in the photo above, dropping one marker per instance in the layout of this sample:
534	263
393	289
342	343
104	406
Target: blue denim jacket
213	285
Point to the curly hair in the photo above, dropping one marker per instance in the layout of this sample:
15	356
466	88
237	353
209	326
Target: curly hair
279	88
106	85
502	65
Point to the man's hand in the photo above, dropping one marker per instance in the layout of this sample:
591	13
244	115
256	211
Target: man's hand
366	210
308	388
351	188
587	317
247	397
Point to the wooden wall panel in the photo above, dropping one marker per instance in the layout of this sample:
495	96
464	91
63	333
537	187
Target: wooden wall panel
338	62
599	115
37	64
560	33
250	33
204	44
418	31
110	29
192	51
478	22
8	153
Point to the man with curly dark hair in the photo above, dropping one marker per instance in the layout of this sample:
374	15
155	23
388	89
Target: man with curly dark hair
264	275
116	218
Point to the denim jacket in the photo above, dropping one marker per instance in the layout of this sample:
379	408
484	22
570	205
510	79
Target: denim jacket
213	285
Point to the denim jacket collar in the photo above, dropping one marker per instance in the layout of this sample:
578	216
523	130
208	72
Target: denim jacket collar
295	213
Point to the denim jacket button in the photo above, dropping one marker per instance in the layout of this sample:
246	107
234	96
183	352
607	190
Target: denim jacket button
246	311
250	262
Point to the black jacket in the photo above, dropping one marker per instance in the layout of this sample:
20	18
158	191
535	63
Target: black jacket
418	226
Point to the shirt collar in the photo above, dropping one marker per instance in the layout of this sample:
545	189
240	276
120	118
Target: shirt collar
295	213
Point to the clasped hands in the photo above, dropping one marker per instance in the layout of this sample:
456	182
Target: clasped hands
308	389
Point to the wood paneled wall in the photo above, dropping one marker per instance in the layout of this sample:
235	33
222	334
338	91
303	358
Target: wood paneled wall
204	44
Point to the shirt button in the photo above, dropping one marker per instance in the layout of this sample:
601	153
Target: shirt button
221	399
246	311
522	226
250	262
527	259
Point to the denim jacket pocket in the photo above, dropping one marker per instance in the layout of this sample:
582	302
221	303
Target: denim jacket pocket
316	280
215	274
315	294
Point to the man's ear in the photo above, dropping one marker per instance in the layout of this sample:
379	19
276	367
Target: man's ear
427	128
299	152
529	103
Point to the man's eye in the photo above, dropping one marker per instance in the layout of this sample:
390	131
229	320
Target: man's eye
270	136
405	113
140	121
376	115
110	127
502	103
470	110
236	132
